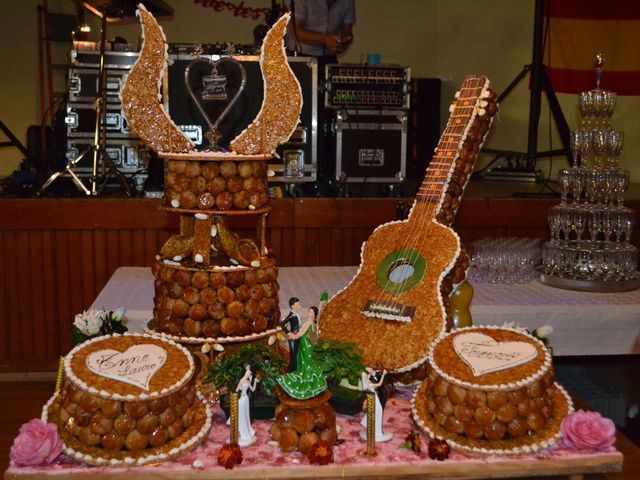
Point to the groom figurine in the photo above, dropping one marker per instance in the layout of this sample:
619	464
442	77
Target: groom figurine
291	324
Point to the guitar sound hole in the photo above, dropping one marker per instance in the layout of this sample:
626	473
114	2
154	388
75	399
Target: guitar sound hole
401	271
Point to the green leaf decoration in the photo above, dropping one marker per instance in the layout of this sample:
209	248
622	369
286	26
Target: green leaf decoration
226	372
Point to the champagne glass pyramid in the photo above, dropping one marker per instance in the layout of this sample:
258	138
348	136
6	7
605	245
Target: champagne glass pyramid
590	245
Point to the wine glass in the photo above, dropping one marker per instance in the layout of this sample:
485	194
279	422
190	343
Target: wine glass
621	182
609	99
599	142
584	146
595	224
565	184
615	142
585	105
574	143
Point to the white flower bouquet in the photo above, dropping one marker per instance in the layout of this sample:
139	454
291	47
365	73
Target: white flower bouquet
94	323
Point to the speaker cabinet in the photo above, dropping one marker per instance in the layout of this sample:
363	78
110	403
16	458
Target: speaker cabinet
301	148
423	127
371	145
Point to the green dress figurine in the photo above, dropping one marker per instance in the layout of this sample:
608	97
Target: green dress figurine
307	380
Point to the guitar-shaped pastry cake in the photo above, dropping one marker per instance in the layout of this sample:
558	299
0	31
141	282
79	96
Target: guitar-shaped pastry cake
393	308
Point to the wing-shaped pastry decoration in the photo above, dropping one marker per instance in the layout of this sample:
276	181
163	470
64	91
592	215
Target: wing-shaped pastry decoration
282	102
141	93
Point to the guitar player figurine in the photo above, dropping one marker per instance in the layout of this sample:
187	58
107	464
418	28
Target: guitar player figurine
291	324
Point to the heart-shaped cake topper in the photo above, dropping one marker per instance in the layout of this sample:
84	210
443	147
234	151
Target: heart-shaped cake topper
484	355
214	89
136	366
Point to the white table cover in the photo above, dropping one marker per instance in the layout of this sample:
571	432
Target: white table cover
583	323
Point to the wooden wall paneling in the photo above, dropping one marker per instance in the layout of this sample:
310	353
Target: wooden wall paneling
298	246
137	247
88	255
348	241
62	288
288	247
101	275
25	276
74	254
150	245
274	242
38	320
4	304
12	317
112	251
313	247
322	246
49	281
126	248
335	253
286	257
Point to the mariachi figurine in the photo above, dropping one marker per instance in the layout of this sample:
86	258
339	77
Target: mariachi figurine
372	382
291	324
246	433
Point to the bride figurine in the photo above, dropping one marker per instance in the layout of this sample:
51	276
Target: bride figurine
246	433
371	381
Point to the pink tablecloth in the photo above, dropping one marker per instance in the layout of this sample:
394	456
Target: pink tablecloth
584	323
264	459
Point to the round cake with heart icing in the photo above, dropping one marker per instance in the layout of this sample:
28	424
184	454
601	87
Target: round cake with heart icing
128	400
491	390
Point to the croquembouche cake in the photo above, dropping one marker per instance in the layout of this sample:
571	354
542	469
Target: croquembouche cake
128	400
491	390
210	284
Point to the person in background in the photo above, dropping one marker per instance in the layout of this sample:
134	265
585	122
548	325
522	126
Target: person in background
321	28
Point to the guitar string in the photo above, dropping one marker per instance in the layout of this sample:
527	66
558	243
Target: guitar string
437	180
441	172
475	96
430	183
445	173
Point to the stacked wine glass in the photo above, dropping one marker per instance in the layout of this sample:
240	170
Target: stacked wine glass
591	227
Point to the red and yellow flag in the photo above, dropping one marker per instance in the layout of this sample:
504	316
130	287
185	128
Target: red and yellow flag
578	29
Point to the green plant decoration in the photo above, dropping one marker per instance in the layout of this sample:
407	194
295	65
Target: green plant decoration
227	372
338	360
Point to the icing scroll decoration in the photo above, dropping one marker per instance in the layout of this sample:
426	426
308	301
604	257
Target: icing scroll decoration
141	93
282	102
485	355
136	366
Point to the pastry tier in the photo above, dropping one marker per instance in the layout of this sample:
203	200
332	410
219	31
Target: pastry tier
217	304
282	102
128	400
491	389
216	182
140	95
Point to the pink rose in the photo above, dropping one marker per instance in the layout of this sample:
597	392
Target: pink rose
36	444
584	430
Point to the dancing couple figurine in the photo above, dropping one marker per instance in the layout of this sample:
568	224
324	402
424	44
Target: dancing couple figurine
246	433
372	382
304	379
